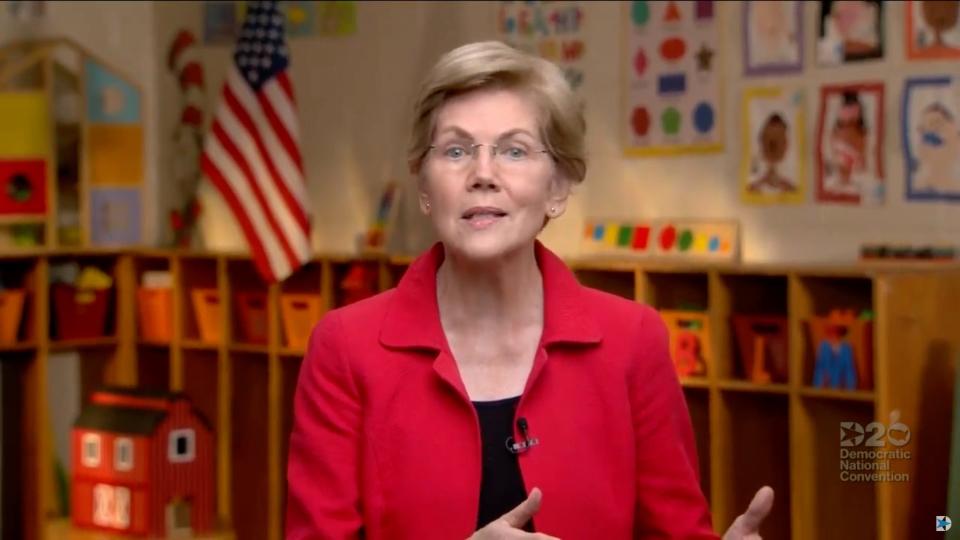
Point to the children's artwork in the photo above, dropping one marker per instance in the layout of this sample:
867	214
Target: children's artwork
115	216
850	31
849	157
772	166
672	94
933	29
772	37
378	235
670	238
551	30
931	138
222	20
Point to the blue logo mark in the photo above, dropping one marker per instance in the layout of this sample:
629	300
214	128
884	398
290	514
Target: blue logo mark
943	523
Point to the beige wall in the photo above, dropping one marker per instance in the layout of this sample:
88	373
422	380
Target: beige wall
355	93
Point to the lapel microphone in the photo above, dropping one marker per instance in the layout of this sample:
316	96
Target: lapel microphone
526	443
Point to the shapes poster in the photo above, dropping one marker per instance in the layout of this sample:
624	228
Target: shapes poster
933	29
551	30
931	138
114	216
773	128
772	37
849	31
110	99
849	155
672	83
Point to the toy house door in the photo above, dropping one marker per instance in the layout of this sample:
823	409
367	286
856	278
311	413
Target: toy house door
178	518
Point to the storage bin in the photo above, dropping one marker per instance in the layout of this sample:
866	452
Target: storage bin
11	312
79	313
253	316
300	312
208	313
155	309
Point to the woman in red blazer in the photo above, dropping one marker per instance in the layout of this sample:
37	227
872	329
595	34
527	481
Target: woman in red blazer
490	395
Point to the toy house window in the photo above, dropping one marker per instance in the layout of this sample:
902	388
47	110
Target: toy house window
90	450
182	446
111	506
123	454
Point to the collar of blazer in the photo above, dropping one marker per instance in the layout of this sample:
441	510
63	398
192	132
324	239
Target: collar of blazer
412	318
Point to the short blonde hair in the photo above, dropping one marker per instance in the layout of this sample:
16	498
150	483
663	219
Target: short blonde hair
492	64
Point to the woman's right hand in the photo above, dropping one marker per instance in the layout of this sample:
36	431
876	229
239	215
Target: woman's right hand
510	525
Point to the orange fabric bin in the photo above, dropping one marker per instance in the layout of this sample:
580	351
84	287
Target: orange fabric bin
80	313
253	316
155	308
11	311
208	313
300	313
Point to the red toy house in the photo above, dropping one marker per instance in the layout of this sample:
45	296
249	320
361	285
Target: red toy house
143	464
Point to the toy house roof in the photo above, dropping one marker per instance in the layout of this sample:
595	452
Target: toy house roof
124	420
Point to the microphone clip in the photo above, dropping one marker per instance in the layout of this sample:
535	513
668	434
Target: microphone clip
526	444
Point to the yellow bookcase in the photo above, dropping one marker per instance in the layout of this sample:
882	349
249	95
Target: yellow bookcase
748	434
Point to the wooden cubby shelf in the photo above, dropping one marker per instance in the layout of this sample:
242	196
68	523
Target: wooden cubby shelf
240	367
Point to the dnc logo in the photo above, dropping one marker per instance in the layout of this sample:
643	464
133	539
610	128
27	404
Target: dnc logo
943	523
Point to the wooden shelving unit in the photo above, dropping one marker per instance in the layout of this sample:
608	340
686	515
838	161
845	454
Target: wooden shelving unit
748	434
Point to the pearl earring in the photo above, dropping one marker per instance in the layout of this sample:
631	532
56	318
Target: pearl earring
428	205
553	210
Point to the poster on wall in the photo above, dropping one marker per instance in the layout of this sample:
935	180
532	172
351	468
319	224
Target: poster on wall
933	29
772	37
672	94
930	134
551	30
222	20
772	164
849	155
849	31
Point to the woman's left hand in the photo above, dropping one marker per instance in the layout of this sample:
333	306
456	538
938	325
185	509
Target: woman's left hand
747	525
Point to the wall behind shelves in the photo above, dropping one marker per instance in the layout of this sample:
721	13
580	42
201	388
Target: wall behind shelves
354	95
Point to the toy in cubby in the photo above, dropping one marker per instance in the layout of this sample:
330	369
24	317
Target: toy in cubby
11	314
142	464
300	313
81	301
360	282
843	345
689	341
208	313
253	316
155	306
762	344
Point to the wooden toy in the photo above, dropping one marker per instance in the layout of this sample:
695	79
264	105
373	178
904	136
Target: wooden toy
663	238
762	341
72	151
143	464
843	345
689	342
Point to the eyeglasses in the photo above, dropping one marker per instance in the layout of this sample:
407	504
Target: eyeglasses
516	156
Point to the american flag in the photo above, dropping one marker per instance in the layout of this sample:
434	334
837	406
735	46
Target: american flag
251	153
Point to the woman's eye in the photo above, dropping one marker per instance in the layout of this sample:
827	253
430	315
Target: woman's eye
516	152
455	152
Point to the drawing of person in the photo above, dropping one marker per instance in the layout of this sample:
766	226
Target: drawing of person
846	163
940	16
774	39
850	31
938	150
774	143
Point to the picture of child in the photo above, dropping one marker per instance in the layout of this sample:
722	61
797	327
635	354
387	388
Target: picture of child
850	30
850	167
931	138
773	139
